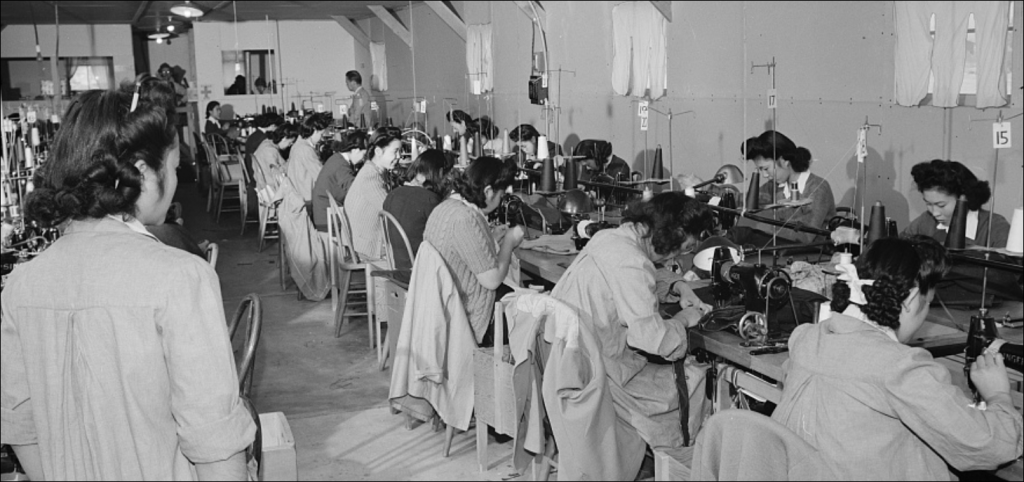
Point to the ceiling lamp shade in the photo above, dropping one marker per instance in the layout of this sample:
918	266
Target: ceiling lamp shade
159	35
187	10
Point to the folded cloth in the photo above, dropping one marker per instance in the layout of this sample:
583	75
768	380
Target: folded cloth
552	244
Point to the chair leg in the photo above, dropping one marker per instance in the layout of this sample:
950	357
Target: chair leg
481	445
542	464
282	268
339	318
332	265
220	203
386	352
448	436
264	214
371	305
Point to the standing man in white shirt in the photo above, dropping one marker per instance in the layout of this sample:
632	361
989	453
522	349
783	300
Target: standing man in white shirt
360	106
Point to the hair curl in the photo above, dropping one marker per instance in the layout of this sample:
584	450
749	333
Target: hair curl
897	265
481	173
433	165
487	128
769	145
472	125
524	133
92	170
314	123
350	141
954	179
382	139
287	131
671	218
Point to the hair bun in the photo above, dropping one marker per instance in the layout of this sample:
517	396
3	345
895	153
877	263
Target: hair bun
885	301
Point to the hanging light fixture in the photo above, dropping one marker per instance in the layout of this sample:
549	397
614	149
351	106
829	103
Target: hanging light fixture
170	28
187	10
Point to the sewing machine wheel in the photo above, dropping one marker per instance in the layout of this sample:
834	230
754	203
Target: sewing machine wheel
753	328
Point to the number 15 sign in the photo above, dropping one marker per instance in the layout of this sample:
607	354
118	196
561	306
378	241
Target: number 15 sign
1002	136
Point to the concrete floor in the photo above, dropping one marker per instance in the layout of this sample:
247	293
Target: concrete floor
329	388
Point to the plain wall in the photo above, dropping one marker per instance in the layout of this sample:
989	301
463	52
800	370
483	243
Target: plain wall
440	73
314	56
835	68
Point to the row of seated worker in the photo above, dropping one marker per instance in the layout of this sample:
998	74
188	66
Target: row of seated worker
618	281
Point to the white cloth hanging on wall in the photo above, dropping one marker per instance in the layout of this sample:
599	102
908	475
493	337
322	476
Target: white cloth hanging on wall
640	61
379	59
480	57
918	55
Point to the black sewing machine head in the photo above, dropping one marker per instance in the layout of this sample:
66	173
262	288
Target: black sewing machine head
760	289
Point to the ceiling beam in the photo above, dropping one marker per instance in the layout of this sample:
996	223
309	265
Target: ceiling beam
141	12
353	30
392	22
525	7
665	8
447	13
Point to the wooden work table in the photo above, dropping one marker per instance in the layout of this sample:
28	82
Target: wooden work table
760	374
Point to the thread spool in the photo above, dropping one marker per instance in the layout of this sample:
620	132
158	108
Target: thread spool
894	230
878	228
794	191
478	146
542	148
447	142
658	170
753	201
30	161
35	137
728	220
845	258
415	148
956	237
362	120
571	175
1016	240
547	180
506	148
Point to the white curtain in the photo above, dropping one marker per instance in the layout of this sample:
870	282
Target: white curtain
379	60
918	55
640	62
480	58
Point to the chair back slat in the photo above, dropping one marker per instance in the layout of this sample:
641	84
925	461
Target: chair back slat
342	230
387	219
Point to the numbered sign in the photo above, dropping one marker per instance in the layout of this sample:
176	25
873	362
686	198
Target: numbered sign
47	87
643	112
1002	136
773	98
374	107
643	124
476	86
319	108
342	110
423	106
31	117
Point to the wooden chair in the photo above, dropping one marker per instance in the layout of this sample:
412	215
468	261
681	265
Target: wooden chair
212	253
495	397
345	261
251	309
228	181
396	288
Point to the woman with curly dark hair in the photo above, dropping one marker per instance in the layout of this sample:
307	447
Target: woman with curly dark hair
877	409
458	229
615	286
115	351
941	183
426	184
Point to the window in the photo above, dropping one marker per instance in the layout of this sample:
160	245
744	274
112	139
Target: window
249	72
970	85
30	79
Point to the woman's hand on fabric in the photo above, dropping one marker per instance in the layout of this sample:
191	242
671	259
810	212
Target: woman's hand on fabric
689	317
989	376
514	237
